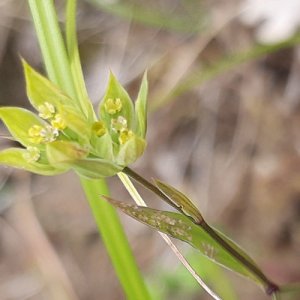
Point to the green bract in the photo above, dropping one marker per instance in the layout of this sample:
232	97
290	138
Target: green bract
61	136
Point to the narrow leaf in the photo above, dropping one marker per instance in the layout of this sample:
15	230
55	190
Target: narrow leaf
141	108
182	228
18	121
14	157
184	204
61	153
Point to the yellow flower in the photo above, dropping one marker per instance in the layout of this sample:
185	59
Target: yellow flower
58	122
119	124
125	135
32	154
49	134
112	106
38	134
99	128
46	111
34	133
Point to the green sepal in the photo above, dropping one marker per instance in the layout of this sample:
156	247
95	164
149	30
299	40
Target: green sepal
115	90
62	154
130	151
14	157
41	90
95	168
180	227
18	121
181	201
102	146
141	108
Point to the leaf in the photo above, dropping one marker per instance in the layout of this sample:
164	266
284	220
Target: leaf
182	228
115	90
102	146
181	201
76	122
63	153
18	121
14	157
95	168
131	151
41	90
141	108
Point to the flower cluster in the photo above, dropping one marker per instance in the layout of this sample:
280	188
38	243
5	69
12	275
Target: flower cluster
66	134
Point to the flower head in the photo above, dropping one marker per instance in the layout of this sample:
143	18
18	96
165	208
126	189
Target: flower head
70	136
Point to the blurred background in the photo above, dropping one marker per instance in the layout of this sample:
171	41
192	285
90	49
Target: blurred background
224	119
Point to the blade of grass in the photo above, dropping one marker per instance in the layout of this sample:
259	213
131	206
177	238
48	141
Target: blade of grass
59	71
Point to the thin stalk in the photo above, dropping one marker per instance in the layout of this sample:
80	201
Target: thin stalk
270	287
59	71
115	240
139	201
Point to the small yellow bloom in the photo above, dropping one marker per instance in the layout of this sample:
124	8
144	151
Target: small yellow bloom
34	133
58	122
38	134
112	106
32	154
125	135
119	124
99	128
46	111
49	134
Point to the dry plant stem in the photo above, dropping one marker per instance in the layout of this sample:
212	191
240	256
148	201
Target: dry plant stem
139	201
24	220
270	287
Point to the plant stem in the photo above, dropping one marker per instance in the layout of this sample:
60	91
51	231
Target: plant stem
115	240
270	287
59	71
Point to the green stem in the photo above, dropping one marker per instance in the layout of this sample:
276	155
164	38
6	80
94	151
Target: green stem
270	287
60	71
114	239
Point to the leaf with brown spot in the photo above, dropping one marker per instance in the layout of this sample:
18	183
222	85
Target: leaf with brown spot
180	227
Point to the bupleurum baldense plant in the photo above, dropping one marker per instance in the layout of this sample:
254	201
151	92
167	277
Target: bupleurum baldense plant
59	136
65	133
